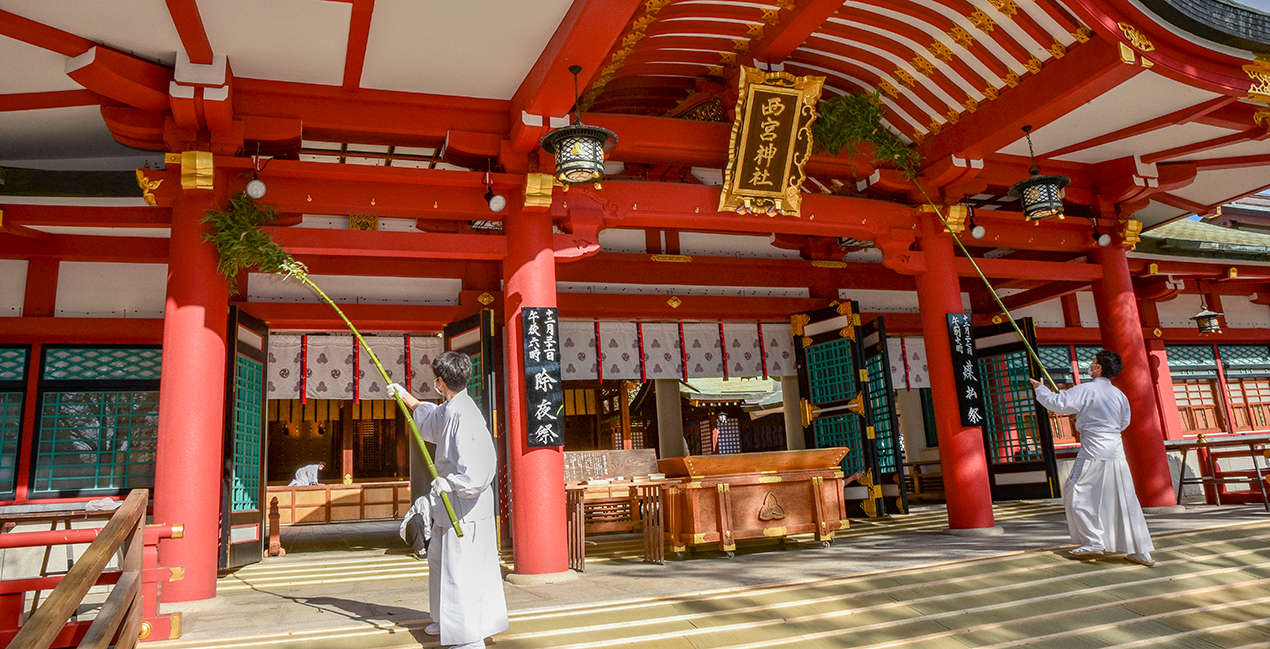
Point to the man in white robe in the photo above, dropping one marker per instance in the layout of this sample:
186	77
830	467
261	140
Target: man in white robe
307	475
465	582
1103	513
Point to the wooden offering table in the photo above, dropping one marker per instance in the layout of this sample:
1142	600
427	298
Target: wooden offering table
723	498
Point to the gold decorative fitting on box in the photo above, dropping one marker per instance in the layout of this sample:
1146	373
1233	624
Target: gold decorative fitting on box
820	263
672	258
485	298
361	222
768	478
674	302
864	375
871	432
798	321
197	171
774	531
1136	37
147	187
146	629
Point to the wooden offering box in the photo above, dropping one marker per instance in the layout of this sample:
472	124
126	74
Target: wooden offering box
723	498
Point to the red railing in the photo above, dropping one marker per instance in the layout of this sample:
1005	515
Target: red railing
131	610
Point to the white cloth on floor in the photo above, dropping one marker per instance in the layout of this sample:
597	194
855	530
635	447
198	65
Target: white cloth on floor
465	581
422	507
1102	506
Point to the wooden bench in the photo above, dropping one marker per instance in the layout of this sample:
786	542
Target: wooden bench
924	486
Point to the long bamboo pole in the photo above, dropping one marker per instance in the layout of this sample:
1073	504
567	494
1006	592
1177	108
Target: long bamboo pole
300	273
1031	352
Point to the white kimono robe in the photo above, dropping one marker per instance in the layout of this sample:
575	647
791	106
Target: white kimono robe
1102	507
465	582
305	476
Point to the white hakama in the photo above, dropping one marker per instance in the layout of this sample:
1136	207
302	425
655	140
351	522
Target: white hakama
1102	507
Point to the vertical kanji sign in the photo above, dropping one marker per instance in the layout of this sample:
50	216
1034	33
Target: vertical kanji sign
543	398
965	369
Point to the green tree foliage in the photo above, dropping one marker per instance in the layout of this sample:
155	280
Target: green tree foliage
847	121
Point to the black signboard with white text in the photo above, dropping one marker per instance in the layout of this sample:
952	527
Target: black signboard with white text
965	369
543	398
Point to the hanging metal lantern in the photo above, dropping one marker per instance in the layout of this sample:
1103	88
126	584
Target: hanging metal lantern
1206	320
579	149
1042	196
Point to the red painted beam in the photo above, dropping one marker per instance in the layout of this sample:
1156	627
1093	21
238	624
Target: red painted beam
407	245
358	37
622	268
333	114
1180	203
370	318
123	77
88	217
67	247
794	27
146	331
656	308
189	26
43	36
53	99
1087	72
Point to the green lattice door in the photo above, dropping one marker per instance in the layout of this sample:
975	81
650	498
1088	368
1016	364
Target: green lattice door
1017	438
835	405
243	507
889	440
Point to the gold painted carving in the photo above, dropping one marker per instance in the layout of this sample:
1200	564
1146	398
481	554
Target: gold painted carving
889	89
196	170
1129	232
674	302
360	222
922	65
771	510
904	78
672	258
1006	7
919	137
990	93
740	45
971	104
538	190
982	21
1033	64
727	58
1259	74
1136	37
1259	118
1011	80
754	31
653	6
1058	50
935	127
954	215
771	16
770	142
485	298
940	51
961	37
147	187
1082	34
952	115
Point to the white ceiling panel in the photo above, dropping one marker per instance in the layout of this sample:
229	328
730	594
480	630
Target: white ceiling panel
476	48
28	68
143	27
1155	213
1161	140
74	132
1234	150
305	41
350	289
1122	107
1212	187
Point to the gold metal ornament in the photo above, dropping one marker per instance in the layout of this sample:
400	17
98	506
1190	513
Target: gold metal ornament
485	298
147	187
674	302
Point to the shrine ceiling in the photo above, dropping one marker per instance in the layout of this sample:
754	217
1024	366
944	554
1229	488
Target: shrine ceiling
1133	108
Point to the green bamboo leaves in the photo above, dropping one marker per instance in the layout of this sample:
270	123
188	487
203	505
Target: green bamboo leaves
847	121
242	245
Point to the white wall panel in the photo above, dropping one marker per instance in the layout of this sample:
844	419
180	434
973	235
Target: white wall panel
1241	313
111	290
12	287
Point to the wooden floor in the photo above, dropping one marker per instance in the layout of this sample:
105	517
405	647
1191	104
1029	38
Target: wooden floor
1211	588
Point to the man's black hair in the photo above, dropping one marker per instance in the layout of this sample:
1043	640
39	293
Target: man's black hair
454	370
1110	362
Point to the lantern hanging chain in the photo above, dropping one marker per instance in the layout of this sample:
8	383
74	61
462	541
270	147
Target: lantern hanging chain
1031	352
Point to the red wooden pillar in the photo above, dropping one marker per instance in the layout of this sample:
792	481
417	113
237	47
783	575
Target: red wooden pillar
1122	333
539	536
1161	378
187	472
961	453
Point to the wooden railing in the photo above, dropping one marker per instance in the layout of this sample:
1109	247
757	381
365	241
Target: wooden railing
119	621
